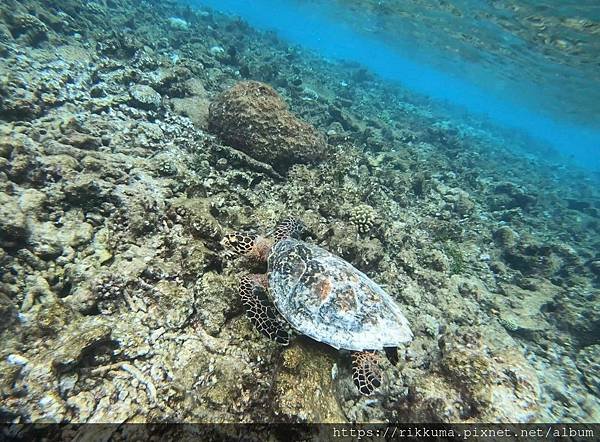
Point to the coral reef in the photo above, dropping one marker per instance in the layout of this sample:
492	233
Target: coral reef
117	183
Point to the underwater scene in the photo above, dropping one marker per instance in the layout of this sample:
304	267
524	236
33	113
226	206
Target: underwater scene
299	211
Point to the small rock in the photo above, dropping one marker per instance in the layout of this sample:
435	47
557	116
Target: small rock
506	237
13	224
588	363
76	340
145	97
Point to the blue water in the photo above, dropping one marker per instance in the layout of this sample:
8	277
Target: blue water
310	25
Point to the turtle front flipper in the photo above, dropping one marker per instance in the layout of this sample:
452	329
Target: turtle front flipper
262	315
366	372
288	228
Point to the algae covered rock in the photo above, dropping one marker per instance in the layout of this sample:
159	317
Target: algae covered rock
30	29
253	118
304	386
13	224
76	340
588	363
214	299
144	96
8	311
506	237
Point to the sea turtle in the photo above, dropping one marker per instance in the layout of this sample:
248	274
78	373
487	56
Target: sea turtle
320	295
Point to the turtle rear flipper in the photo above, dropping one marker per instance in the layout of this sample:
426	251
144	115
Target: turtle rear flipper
262	315
366	372
392	354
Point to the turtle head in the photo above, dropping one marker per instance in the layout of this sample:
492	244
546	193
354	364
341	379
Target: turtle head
245	244
238	243
288	228
259	247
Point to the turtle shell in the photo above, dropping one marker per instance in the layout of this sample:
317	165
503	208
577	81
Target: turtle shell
326	298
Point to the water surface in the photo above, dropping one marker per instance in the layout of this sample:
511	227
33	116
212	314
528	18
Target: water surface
525	66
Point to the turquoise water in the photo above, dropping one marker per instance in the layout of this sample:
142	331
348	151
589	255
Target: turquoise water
497	77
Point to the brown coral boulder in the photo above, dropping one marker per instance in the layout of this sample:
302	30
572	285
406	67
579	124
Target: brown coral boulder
252	117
